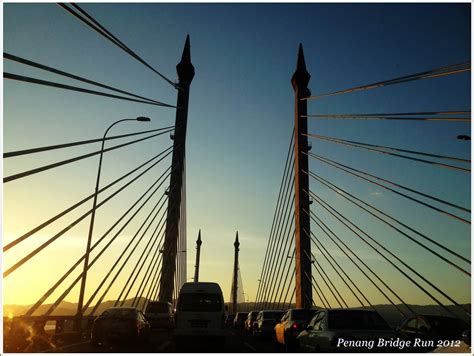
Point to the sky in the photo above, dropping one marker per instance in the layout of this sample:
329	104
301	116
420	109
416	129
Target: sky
239	125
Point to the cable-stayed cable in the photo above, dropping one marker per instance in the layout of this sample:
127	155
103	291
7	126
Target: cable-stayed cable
161	201
331	235
74	206
79	261
96	26
355	201
374	148
96	258
75	159
77	143
325	253
76	77
437	72
351	171
354	227
272	237
70	226
31	80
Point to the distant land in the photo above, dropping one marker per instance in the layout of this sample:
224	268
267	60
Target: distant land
387	311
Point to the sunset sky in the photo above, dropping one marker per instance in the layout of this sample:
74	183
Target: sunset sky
239	126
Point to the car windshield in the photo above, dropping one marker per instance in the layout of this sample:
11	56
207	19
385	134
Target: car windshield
119	313
354	319
441	323
157	308
302	314
202	302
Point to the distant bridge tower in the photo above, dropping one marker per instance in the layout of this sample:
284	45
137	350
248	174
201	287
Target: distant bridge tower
235	274
300	82
185	71
198	255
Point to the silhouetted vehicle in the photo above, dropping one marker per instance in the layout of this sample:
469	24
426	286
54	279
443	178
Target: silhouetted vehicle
239	319
120	325
466	337
159	315
229	320
291	324
265	322
248	324
433	330
345	330
200	315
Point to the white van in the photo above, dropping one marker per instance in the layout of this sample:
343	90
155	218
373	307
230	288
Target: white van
200	314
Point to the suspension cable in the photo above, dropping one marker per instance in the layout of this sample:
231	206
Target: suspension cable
369	147
437	72
340	165
338	191
74	159
93	24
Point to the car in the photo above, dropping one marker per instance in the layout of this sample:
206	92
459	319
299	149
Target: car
290	325
159	315
239	319
265	322
200	315
229	320
248	324
348	330
433	329
120	325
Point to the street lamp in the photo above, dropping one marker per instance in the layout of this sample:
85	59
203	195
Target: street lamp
91	226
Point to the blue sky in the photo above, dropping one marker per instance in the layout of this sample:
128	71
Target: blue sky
241	118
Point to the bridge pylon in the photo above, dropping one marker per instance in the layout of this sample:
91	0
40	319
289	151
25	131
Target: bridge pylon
185	71
198	256
235	274
299	81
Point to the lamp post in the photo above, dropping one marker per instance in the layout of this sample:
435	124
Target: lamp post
91	226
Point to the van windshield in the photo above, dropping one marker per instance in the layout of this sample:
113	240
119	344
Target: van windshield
157	308
202	302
